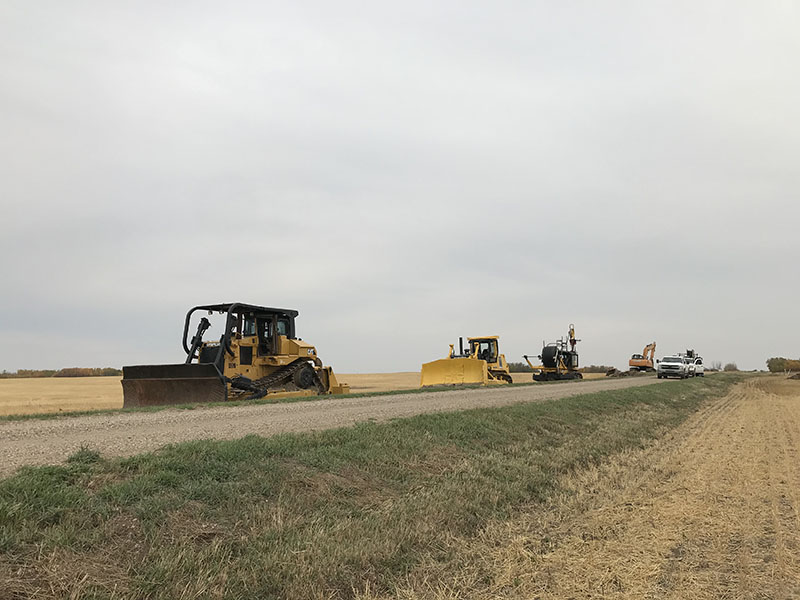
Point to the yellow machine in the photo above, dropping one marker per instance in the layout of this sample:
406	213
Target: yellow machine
257	355
559	360
481	363
643	361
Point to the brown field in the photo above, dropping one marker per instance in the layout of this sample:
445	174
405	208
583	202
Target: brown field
65	394
710	511
62	394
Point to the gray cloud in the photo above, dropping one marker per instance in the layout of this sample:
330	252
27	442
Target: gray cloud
401	174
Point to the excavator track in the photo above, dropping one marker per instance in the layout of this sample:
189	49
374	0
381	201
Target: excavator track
260	387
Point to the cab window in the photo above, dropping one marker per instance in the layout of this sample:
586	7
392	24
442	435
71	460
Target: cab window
283	327
249	325
485	351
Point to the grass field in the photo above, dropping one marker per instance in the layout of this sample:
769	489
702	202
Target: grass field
400	509
67	394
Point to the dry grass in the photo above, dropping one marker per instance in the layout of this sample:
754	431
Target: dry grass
363	383
710	511
53	395
404	507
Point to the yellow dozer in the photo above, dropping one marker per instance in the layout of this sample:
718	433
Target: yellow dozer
481	363
257	355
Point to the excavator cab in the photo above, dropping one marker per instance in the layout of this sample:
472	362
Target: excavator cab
257	354
643	361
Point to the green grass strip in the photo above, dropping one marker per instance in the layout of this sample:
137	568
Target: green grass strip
309	515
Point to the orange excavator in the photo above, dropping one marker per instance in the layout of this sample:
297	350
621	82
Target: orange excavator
643	361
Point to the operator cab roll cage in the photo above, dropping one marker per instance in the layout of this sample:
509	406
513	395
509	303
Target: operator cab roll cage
264	318
489	353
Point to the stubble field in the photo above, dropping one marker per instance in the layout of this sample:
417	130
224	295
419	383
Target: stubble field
649	489
65	394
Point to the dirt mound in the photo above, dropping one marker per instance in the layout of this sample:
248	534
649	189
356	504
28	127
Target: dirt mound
617	373
631	373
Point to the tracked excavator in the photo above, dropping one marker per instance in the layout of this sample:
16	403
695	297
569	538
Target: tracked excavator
559	360
479	363
643	361
258	354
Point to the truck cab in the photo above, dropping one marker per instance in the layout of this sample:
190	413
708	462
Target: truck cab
698	369
689	362
672	366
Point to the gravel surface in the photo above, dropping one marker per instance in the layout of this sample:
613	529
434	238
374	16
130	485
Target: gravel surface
36	442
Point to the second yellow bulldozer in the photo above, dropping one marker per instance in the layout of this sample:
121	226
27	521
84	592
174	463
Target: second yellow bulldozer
257	355
479	363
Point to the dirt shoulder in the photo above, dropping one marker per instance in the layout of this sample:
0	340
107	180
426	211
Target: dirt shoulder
46	442
710	511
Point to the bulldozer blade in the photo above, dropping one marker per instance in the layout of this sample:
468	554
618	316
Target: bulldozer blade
157	385
454	371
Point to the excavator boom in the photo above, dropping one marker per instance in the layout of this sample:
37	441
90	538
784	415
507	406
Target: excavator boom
643	361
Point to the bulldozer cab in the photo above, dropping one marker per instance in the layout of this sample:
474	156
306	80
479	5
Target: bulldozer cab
484	349
253	330
264	330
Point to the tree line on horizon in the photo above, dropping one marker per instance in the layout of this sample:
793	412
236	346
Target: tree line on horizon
67	372
778	364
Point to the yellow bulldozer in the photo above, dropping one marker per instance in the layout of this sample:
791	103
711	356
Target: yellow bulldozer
479	363
258	354
559	360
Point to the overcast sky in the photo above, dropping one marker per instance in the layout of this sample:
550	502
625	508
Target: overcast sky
401	173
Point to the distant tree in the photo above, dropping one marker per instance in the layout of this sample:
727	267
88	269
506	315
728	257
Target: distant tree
731	366
781	365
68	372
87	372
716	366
776	364
519	367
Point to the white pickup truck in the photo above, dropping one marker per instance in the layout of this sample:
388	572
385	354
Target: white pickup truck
696	368
672	366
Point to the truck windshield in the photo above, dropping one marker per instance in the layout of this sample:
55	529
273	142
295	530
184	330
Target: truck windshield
671	359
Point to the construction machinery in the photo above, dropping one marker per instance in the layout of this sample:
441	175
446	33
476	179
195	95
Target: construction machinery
559	359
258	354
643	361
479	363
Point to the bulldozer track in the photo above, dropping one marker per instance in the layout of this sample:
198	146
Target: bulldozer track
260	387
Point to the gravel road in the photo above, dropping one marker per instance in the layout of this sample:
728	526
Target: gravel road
36	442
